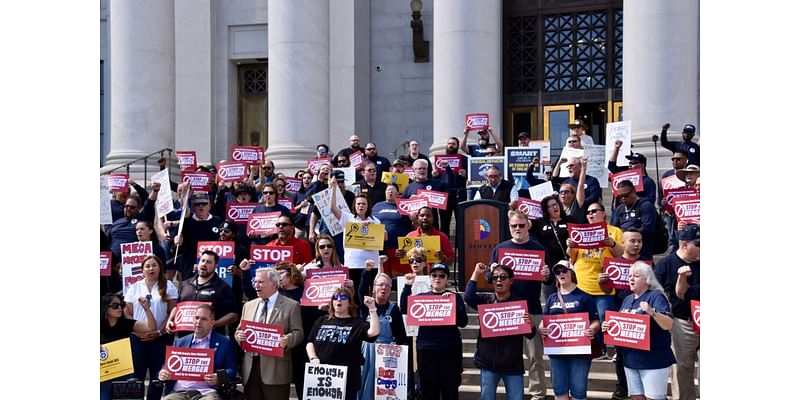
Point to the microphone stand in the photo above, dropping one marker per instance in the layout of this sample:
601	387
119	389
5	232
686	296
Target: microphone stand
658	173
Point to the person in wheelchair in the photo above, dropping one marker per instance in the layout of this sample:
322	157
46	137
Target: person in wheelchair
224	361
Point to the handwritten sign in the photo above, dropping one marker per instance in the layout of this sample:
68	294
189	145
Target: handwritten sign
504	319
566	334
431	310
618	131
596	164
627	330
261	338
189	364
391	371
269	256
323	202
105	204
401	180
477	121
633	175
200	181
431	244
687	210
132	256
541	191
364	236
588	236
527	264
411	205
239	212
231	171
105	263
263	223
164	198
184	314
317	292
324	382
435	198
187	159
531	208
118	183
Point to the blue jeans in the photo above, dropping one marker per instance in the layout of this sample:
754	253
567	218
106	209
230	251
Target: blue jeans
672	232
570	375
515	385
603	303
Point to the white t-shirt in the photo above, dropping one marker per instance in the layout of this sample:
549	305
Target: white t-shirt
157	306
356	258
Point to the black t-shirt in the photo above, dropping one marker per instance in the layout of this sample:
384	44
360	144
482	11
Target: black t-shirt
337	341
121	330
666	271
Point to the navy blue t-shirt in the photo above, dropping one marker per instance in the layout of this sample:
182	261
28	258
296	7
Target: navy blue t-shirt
396	224
660	354
528	290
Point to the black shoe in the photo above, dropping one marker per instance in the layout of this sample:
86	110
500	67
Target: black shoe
619	395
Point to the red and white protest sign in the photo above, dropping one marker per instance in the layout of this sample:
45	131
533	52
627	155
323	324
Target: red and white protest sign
118	182
318	273
477	121
184	314
410	173
411	205
566	334
239	212
105	263
223	249
627	330
671	182
293	185
695	304
356	159
453	160
262	338
286	203
588	236
633	175
132	256
247	154
200	181
313	165
268	256
187	159
532	208
189	364
676	194
503	319
431	310
435	198
687	210
527	264
263	224
317	292
617	270
231	171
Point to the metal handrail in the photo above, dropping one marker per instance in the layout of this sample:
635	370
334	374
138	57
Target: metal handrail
145	158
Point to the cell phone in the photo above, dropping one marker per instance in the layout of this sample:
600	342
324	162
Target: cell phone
149	297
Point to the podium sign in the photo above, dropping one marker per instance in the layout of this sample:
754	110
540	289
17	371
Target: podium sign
484	225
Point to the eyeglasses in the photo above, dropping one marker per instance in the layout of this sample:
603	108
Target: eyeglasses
564	191
370	148
326	246
596	210
415	260
282	224
115	306
438	276
499	278
677	158
561	271
270	192
340	297
341	161
268	167
515	226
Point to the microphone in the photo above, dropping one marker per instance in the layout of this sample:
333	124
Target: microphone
655	138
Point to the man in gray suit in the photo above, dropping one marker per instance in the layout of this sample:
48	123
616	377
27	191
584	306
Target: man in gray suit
268	377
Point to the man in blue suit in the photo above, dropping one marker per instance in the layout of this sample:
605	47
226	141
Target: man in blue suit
224	359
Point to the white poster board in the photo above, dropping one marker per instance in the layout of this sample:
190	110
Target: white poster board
391	371
164	198
541	190
324	382
422	284
618	131
596	156
105	202
567	153
322	200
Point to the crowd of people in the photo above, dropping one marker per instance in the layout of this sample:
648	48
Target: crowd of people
359	314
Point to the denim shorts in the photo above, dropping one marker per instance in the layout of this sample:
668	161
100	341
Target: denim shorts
652	383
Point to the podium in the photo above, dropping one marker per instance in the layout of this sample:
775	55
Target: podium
484	224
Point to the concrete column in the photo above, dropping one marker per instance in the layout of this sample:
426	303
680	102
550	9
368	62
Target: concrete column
467	66
142	78
298	73
661	72
350	72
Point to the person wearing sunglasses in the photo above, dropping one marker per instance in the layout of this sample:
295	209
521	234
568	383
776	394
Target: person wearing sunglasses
569	373
336	338
301	249
579	179
439	348
114	325
636	161
519	226
634	212
269	203
670	180
370	185
382	164
396	225
201	226
498	357
689	147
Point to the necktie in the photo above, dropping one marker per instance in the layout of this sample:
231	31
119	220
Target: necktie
263	317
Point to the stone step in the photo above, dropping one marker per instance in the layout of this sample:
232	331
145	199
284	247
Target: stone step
602	366
597	381
473	392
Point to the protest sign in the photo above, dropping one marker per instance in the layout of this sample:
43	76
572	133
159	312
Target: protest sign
518	160
596	164
105	202
695	304
541	190
618	131
261	338
268	256
671	182
189	364
323	202
231	171
633	175
687	209
286	203
411	205
105	263
566	154
431	310
118	183
478	166
263	223
566	334
164	197
477	121
313	165
588	236
544	151
115	359
187	159
409	171
627	330
248	154
677	193
453	160
618	270
184	314
422	284
431	244
435	198
401	180
318	273
317	292
225	251
531	208
503	319
356	159
200	181
527	264
364	236
391	371
325	382
293	185
132	256
239	212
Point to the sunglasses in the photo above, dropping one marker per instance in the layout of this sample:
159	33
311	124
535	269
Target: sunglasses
564	191
596	210
415	260
340	297
326	246
438	276
515	226
677	158
282	224
115	306
270	193
368	149
572	141
561	271
625	195
370	170
499	278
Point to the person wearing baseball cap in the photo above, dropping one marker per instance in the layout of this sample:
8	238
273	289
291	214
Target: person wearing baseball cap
569	374
686	146
668	271
524	139
636	161
479	150
201	226
579	128
439	348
